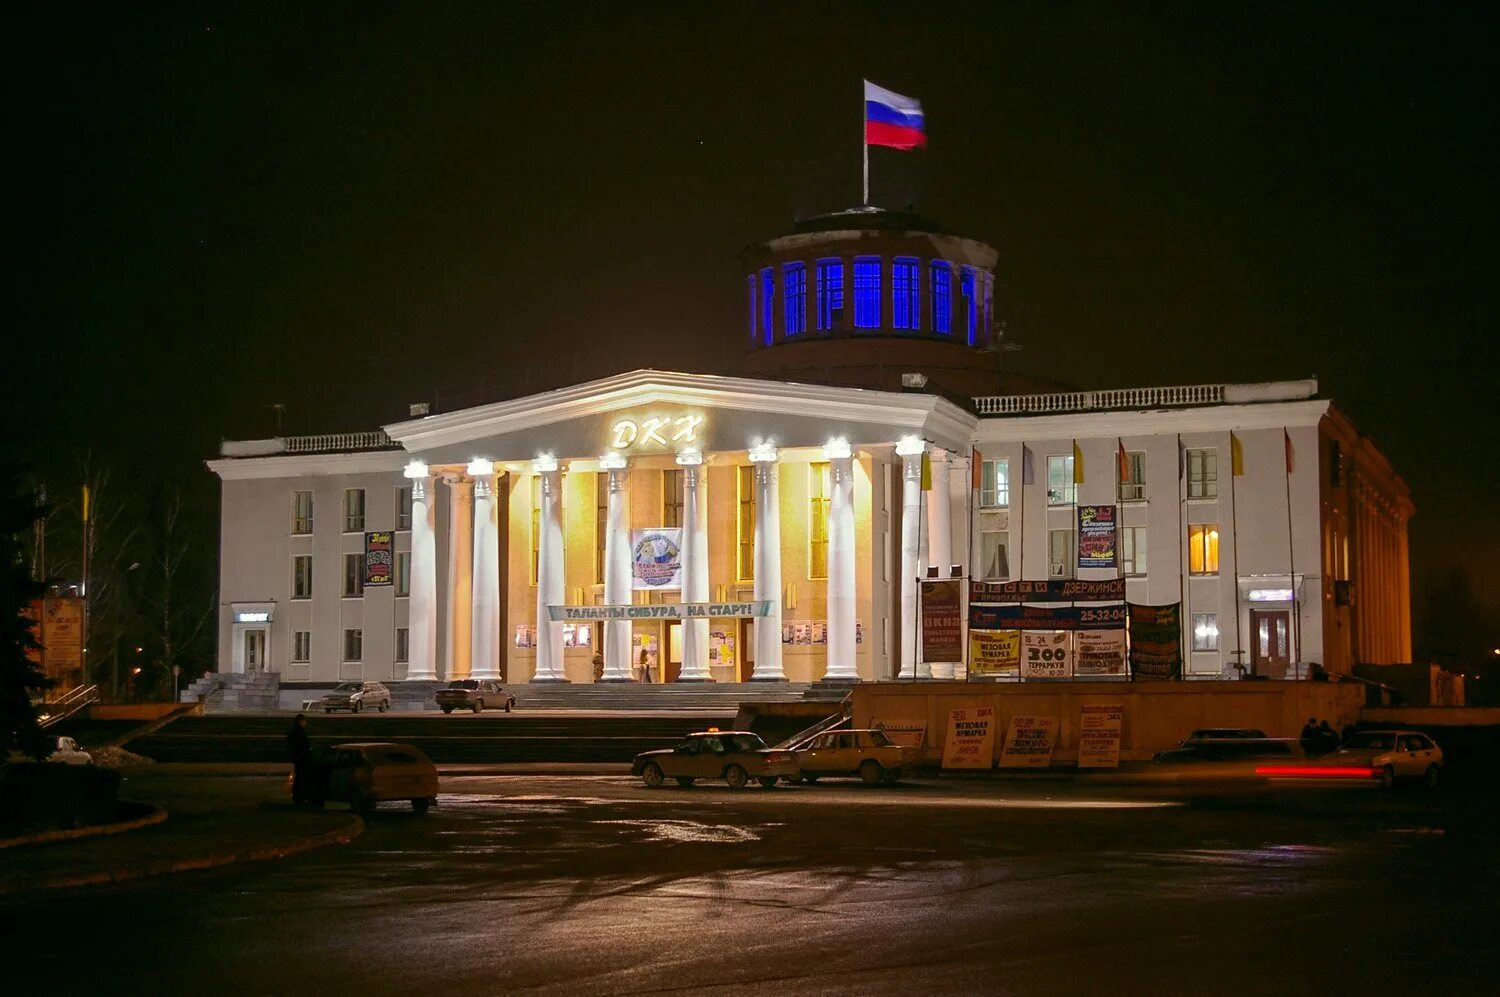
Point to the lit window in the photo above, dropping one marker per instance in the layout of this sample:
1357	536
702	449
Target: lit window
1205	631
1060	559
994	484
968	301
867	292
403	572
1133	485
403	645
750	286
1133	550
745	524
819	488
1061	489
994	555
768	304
302	520
794	297
941	296
354	576
1203	473
1203	549
354	645
354	510
906	313
403	507
302	576
830	294
301	646
671	497
601	523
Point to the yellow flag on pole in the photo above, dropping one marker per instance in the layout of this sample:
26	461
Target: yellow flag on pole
1236	456
926	472
85	503
1077	464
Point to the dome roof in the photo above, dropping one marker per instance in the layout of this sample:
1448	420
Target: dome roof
867	218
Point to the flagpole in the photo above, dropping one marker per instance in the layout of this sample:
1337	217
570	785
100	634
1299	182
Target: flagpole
1185	621
1291	550
1021	515
1234	546
975	471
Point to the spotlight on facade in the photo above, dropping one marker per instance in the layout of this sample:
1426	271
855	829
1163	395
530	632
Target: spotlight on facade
763	453
544	463
909	446
612	461
481	467
916	381
690	458
416	469
837	448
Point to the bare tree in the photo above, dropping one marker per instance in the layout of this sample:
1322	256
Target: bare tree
176	609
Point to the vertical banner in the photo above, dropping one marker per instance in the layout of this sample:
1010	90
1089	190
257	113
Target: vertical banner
1098	536
971	739
1099	736
656	559
994	652
942	621
1156	641
1046	654
380	558
1100	652
1028	743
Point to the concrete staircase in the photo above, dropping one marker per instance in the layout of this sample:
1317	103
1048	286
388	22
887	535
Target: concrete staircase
651	696
223	692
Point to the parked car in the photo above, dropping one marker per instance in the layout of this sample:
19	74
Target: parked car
736	756
1224	733
366	774
67	752
869	754
474	694
1384	756
1231	750
357	696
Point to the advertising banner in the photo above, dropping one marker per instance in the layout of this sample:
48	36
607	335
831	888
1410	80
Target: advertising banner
1156	641
58	628
1100	652
942	621
1098	536
1047	617
1051	590
1099	736
663	611
380	558
656	559
971	739
525	635
1046	654
1028	743
994	652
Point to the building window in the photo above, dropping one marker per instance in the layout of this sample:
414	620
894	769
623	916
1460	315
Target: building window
867	292
671	497
794	297
1205	631
830	294
768	305
1203	549
994	484
301	647
906	312
354	510
1133	484
941	297
968	302
819	488
403	645
536	523
403	507
403	572
745	524
1133	550
1203	473
302	576
302	512
354	576
994	555
1061	489
750	284
1060	559
354	645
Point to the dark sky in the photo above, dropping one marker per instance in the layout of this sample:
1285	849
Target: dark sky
341	208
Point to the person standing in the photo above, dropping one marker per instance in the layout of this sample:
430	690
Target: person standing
1329	737
298	746
1309	738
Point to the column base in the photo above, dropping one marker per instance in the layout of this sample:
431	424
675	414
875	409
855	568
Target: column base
767	678
427	677
683	681
549	682
609	681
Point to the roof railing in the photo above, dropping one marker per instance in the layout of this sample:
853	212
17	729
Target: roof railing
339	442
1094	401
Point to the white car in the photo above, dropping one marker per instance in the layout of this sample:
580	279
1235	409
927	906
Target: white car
1383	756
68	752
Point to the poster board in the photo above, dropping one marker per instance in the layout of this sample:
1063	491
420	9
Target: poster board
994	652
656	559
1046	654
1156	641
970	743
1099	736
380	558
1099	652
942	621
1029	741
1098	536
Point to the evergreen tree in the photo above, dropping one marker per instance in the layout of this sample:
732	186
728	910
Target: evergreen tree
20	676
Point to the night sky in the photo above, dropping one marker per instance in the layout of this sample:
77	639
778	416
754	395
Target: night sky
345	208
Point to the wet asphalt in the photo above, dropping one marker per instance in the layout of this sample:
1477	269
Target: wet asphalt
595	885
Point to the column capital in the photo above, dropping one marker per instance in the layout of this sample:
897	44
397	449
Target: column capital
690	458
837	448
763	453
613	461
910	446
544	463
416	469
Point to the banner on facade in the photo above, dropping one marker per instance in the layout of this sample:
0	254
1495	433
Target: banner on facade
1099	736
1046	654
942	621
1098	536
1028	743
656	559
1047	617
58	626
1099	652
380	558
1051	590
971	739
1156	641
525	635
721	648
664	611
994	652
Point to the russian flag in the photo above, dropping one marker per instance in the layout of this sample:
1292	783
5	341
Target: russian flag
892	120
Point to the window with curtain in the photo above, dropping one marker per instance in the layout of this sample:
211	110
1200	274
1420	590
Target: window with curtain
1203	549
601	523
671	497
941	295
302	512
994	555
994	483
830	295
1133	550
867	292
905	309
794	298
819	489
745	523
1061	489
1203	473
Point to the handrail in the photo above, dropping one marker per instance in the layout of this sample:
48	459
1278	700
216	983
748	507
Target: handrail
821	727
77	698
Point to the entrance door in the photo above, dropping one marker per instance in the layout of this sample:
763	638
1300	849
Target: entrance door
255	651
1270	649
745	662
672	666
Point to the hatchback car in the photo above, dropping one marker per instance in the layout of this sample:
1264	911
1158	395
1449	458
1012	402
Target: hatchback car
736	756
869	754
366	774
474	694
1390	755
357	696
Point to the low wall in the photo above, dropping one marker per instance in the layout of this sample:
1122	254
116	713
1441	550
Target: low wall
1157	714
1432	716
143	712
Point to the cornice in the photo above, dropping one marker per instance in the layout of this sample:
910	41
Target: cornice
1156	422
303	465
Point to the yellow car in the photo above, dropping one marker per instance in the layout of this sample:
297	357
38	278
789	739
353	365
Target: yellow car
366	774
869	754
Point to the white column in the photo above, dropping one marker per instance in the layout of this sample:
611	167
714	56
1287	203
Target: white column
460	574
767	564
940	533
694	565
422	604
842	663
549	572
617	577
485	658
910	451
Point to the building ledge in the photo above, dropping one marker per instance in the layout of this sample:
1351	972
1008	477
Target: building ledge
1172	396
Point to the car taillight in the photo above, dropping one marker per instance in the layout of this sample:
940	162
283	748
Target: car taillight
1319	771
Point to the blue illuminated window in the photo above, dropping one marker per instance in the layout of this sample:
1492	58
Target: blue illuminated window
768	304
830	294
969	302
750	282
906	313
794	297
867	292
942	297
